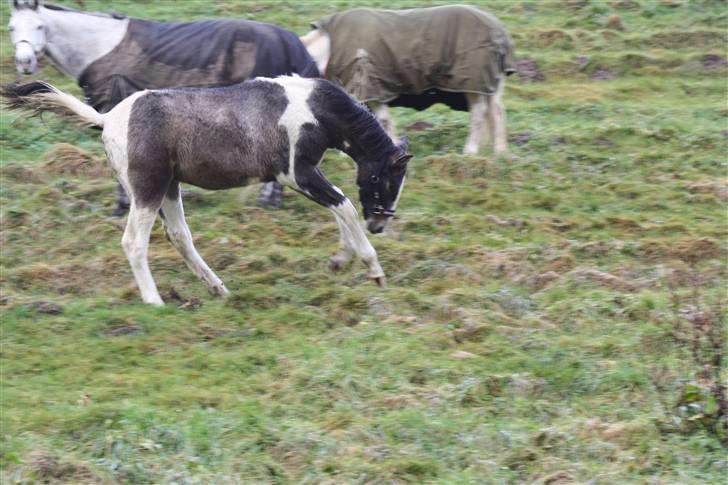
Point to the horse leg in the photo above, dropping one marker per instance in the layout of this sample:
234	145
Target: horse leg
179	235
381	112
487	128
362	247
497	120
146	175
346	248
271	196
135	243
478	109
122	202
313	184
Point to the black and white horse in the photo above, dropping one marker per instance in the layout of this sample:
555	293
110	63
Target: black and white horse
112	56
218	138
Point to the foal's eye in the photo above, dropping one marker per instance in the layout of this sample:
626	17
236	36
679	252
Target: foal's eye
11	28
40	27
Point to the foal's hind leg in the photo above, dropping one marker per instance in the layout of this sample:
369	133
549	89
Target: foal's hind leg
179	235
135	243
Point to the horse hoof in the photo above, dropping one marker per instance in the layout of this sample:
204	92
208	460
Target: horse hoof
272	204
219	291
381	281
120	211
335	264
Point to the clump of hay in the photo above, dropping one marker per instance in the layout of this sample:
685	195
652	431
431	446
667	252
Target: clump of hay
67	159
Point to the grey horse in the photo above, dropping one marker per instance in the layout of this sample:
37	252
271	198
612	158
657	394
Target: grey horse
112	57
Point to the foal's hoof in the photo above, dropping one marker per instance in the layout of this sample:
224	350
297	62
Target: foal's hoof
219	290
120	211
336	263
381	281
271	204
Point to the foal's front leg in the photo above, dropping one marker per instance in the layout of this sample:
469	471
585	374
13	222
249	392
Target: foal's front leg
312	183
346	248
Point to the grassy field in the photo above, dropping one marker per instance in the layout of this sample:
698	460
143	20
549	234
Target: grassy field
528	334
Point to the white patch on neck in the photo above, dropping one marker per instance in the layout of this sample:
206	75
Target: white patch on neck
297	113
76	39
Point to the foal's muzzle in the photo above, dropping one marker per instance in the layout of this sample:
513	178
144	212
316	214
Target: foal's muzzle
377	222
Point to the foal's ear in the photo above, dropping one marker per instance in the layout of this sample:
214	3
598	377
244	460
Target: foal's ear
32	4
402	160
402	156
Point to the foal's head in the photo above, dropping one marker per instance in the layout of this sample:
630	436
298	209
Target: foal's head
380	186
27	33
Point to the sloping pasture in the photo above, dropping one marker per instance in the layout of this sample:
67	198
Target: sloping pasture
528	331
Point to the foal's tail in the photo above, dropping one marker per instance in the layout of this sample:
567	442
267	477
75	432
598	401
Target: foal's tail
39	97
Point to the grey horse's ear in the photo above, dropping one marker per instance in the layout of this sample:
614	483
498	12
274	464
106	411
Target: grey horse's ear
32	4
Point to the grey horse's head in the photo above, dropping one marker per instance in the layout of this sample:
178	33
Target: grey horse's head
27	33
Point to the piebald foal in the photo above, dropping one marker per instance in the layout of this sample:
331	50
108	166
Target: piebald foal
266	129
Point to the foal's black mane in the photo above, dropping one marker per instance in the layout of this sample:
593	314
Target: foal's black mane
59	8
360	124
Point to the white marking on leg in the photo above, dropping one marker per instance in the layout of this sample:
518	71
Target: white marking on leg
135	243
297	113
346	246
478	110
497	119
362	246
179	235
486	137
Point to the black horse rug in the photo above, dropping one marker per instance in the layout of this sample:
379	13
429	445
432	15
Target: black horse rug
395	56
200	54
209	53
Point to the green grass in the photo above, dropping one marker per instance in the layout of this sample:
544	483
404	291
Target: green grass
523	329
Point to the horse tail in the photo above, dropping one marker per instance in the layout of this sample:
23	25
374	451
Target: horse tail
39	97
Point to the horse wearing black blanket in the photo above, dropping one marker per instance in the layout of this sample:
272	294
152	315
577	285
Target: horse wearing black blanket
266	129
112	56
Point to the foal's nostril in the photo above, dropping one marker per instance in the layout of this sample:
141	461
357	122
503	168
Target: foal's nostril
375	228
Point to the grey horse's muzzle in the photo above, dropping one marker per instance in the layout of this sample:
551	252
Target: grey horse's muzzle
26	60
